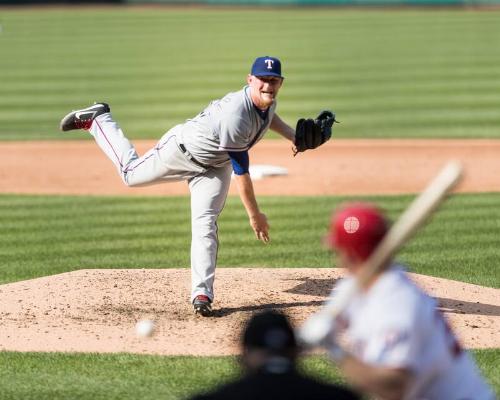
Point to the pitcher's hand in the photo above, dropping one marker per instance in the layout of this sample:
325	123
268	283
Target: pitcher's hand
259	224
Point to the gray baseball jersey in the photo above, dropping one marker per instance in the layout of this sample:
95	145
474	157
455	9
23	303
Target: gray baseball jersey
230	124
195	151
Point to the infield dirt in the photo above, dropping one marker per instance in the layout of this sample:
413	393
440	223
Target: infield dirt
339	167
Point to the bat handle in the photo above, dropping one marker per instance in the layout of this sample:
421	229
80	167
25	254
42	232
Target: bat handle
318	327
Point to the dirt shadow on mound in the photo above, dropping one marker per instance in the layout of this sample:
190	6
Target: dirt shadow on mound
224	312
307	287
467	307
314	287
323	287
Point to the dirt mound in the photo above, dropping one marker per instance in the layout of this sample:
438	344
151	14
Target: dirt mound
96	310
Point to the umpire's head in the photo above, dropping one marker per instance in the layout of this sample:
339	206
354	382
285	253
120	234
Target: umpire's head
268	335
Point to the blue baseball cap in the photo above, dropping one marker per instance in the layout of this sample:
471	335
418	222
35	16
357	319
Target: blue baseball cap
266	66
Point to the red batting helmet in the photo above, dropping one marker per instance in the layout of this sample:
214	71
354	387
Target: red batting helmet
356	229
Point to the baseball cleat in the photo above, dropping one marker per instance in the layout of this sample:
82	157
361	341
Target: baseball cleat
202	305
82	119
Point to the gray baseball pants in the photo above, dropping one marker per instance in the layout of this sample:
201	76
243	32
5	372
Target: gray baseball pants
167	162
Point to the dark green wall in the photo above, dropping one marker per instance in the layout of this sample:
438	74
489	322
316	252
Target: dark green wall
264	2
322	2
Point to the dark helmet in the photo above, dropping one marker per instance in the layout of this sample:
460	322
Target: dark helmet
271	331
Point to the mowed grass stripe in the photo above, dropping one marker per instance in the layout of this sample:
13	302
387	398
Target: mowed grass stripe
431	117
478	106
134	19
210	89
156	128
315	85
159	67
57	376
418	102
43	235
403	67
408	86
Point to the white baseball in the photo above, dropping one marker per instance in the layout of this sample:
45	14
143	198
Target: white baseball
144	328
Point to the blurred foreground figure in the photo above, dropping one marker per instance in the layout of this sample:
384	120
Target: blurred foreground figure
269	356
396	344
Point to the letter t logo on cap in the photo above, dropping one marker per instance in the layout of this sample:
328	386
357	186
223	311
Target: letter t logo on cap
266	66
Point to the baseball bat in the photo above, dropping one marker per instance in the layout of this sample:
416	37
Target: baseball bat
316	328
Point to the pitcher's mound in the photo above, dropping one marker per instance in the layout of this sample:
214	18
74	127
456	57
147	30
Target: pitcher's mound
96	310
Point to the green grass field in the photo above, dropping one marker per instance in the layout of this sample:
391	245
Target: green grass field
47	235
35	376
387	73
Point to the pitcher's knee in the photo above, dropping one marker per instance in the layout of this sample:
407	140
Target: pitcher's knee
129	181
205	227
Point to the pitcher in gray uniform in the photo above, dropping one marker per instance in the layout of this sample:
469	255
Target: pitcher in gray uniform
203	151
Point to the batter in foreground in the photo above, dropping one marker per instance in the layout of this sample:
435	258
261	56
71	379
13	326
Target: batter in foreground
392	341
204	151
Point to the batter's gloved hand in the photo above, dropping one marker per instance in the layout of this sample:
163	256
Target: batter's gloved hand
311	133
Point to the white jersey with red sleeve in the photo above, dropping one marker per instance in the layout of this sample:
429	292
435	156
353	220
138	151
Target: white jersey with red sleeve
395	324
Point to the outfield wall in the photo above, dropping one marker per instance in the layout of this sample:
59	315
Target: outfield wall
324	2
268	2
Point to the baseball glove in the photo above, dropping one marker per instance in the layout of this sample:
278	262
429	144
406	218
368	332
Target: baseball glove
311	133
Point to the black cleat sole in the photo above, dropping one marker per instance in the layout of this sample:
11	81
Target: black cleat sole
203	310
